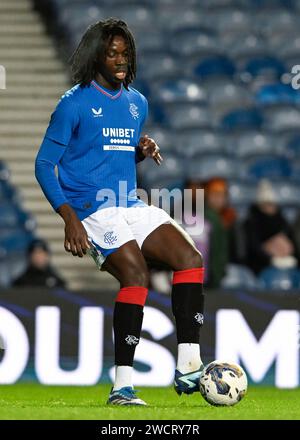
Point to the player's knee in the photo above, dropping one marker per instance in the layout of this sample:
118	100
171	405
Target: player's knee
192	259
136	276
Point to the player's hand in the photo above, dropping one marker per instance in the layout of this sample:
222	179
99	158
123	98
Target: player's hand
150	149
76	238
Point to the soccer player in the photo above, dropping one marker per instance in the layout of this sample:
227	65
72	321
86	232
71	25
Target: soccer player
94	138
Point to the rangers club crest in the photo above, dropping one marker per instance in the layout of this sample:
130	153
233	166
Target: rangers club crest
109	238
199	318
131	340
134	111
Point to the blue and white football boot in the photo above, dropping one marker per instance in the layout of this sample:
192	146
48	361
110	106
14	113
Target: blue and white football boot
124	396
187	383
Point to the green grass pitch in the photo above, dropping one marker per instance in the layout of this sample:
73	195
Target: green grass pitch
33	401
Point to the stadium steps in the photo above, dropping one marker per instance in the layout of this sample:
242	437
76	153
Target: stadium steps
47	67
28	104
15	6
35	81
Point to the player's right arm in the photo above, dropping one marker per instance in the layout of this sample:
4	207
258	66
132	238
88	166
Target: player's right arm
76	239
63	121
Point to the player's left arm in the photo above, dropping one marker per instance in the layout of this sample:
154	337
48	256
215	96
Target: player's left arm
149	148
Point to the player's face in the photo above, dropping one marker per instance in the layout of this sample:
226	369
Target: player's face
116	61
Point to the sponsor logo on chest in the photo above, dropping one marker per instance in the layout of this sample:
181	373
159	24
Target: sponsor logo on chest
118	139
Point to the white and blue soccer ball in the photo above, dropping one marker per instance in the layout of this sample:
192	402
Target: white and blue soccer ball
223	383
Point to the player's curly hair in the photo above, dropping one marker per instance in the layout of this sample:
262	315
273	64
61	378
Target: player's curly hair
93	46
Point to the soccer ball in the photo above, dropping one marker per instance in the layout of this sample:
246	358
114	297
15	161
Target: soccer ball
223	383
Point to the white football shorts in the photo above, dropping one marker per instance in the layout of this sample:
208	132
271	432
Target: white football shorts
110	228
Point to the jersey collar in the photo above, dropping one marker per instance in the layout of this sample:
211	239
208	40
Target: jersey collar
105	91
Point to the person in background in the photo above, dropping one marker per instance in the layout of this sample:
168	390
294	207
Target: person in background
214	240
296	230
39	272
268	234
221	218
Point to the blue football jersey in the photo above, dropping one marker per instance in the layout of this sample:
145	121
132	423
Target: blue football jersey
98	131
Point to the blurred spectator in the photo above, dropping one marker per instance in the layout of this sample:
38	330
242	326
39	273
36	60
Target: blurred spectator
269	237
39	272
216	196
214	241
221	218
296	230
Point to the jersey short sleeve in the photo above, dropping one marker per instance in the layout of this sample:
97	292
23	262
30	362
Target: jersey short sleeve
64	120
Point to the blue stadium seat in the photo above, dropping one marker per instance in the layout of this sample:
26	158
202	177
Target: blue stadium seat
273	19
255	143
165	138
79	16
244	46
242	119
241	193
270	4
230	19
239	277
268	66
185	116
159	65
290	62
194	42
175	17
196	142
288	193
4	172
169	175
152	41
227	96
7	192
269	167
137	16
274	94
280	279
17	241
179	91
142	86
293	146
295	176
5	279
204	168
215	66
119	3
215	4
290	48
9	216
281	118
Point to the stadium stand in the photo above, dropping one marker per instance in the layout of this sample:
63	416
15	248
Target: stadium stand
17	229
217	75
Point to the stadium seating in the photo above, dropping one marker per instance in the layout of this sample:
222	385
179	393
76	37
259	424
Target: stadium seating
242	119
256	143
179	91
269	167
215	66
239	277
280	279
192	143
276	94
16	231
213	166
